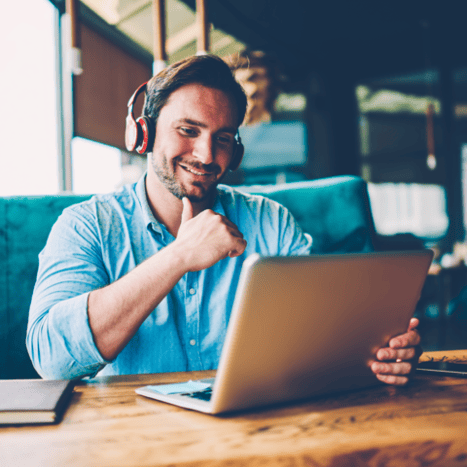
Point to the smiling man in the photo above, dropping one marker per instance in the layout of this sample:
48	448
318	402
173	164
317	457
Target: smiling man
193	153
143	280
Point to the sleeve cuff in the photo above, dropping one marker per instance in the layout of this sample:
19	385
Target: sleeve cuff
69	320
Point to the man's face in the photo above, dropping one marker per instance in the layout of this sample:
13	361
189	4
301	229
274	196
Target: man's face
195	137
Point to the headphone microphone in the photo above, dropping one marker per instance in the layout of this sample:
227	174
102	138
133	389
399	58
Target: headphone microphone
140	133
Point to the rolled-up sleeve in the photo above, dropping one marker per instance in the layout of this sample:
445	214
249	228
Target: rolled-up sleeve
59	338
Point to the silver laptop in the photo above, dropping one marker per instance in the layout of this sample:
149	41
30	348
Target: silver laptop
305	326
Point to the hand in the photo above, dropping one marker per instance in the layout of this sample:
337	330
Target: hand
396	362
207	238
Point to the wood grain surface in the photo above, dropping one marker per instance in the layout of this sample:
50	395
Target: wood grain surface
108	424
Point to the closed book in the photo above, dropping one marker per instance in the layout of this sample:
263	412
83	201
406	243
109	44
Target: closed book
30	401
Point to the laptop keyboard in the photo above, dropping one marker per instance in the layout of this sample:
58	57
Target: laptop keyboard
204	395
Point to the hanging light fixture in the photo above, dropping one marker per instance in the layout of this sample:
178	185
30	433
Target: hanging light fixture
430	137
431	161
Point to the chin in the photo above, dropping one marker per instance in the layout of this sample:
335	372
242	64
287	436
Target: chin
198	196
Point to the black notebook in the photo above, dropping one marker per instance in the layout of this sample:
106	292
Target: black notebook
29	401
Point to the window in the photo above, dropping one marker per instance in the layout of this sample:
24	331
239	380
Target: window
97	168
405	182
28	121
414	208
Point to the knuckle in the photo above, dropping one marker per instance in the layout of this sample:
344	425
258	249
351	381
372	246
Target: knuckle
393	379
401	380
385	378
396	342
385	354
384	368
402	368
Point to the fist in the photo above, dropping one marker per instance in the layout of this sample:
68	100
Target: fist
207	238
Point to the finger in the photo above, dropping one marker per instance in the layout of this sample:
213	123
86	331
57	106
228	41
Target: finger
392	379
187	212
398	369
386	353
232	226
409	339
236	233
239	249
414	322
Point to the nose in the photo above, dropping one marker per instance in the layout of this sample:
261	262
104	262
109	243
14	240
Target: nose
203	149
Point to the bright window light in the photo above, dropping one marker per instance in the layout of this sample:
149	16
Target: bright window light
97	168
28	121
409	208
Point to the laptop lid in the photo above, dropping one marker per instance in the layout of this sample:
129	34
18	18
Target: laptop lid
310	325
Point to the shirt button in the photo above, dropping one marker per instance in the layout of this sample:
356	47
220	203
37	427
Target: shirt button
192	291
192	342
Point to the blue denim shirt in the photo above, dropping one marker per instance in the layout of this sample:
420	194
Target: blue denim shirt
96	242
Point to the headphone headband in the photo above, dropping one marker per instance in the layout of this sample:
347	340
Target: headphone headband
131	102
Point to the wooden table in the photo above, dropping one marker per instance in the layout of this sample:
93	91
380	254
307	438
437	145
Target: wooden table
107	424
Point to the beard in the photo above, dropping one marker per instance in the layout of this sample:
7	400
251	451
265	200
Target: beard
166	174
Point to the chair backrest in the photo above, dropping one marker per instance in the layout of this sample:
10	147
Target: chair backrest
335	211
25	223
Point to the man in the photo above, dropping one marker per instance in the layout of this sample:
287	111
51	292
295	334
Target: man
143	280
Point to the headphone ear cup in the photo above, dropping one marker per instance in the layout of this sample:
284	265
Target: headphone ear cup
237	156
132	133
136	131
147	131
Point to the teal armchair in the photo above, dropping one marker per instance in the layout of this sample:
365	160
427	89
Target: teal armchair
335	211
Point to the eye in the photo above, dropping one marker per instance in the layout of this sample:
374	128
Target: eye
188	131
224	139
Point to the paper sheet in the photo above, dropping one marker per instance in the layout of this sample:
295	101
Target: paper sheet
179	388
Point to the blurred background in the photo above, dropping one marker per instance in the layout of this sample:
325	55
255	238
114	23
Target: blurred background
374	89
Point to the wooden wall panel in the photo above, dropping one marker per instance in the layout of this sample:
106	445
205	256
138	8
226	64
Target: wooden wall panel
101	93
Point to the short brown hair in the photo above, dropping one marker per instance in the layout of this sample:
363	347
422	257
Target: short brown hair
207	70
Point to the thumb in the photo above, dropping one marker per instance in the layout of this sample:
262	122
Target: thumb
187	212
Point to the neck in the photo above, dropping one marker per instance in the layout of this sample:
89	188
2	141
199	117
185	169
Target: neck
166	207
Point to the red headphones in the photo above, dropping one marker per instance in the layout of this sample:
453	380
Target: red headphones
140	133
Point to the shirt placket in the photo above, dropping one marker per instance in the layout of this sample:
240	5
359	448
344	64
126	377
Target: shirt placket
192	306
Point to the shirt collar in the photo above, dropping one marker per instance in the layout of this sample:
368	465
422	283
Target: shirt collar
148	216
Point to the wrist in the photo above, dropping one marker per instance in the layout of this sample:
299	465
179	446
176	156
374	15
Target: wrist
177	257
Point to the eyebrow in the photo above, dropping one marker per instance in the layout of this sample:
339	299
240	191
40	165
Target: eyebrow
189	121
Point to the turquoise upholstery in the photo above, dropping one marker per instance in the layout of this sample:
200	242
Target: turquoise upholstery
335	211
25	223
